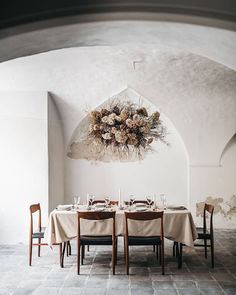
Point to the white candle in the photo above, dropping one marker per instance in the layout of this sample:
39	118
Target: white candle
119	198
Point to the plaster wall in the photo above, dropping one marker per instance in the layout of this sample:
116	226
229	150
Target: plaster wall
196	93
55	156
217	184
24	161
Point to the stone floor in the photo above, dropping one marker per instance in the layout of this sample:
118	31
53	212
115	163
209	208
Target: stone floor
46	277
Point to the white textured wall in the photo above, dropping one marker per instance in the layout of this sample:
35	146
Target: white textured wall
56	156
195	93
24	161
218	182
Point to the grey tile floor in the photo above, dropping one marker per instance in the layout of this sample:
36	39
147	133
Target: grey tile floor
46	277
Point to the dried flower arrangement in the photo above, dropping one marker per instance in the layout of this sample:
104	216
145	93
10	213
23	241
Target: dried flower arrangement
125	126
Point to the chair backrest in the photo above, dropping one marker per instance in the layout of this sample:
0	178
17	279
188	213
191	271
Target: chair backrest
97	216
33	209
144	216
142	202
102	202
210	209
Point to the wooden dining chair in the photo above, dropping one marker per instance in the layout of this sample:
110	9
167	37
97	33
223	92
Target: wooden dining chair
141	240
205	233
111	203
82	241
39	234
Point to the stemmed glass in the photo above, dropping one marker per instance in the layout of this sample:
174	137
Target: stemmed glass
107	201
149	201
131	199
163	201
90	199
76	201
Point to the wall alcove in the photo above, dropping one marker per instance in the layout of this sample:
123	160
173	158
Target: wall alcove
163	171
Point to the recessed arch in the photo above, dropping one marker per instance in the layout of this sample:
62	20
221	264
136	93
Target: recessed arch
228	145
165	170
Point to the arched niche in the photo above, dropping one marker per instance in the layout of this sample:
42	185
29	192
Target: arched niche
228	147
163	171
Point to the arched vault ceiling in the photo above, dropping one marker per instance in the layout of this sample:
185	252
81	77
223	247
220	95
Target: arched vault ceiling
195	93
214	43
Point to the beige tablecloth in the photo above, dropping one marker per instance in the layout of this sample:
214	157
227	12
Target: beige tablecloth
178	226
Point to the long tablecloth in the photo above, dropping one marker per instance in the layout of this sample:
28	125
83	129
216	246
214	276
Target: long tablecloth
178	226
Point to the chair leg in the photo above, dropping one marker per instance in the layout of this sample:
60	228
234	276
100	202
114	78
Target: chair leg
162	258
88	248
157	247
113	256
212	253
154	248
124	245
116	251
160	251
180	250
174	248
78	255
69	245
60	253
205	247
30	251
67	249
39	241
63	254
82	254
127	256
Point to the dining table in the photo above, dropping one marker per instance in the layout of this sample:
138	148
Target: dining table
177	222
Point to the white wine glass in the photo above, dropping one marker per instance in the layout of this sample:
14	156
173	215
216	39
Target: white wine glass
107	201
149	201
131	200
91	199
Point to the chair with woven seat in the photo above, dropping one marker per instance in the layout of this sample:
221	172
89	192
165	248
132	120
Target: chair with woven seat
143	240
82	240
204	234
38	234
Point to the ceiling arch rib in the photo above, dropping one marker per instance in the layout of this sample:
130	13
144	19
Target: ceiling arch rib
27	11
200	40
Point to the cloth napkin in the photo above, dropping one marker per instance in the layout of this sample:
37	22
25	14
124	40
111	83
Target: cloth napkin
65	207
176	207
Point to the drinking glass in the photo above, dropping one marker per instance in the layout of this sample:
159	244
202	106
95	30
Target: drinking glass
76	201
163	201
107	201
90	200
131	199
149	201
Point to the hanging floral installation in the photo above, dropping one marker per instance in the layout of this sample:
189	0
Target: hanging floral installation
125	127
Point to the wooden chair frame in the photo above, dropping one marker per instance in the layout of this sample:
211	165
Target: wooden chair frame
102	202
204	235
144	216
33	209
97	216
